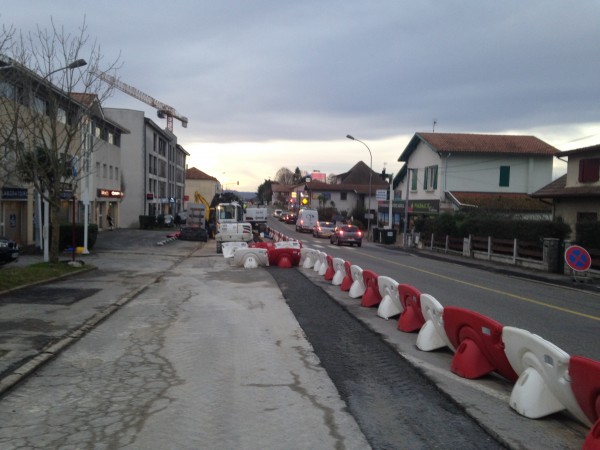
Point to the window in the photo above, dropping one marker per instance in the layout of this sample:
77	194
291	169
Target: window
39	105
430	178
504	176
589	170
61	115
343	196
104	171
111	137
413	174
110	172
7	90
587	217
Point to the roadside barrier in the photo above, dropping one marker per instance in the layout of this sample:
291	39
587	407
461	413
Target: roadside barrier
229	248
585	382
371	296
544	384
317	264
250	257
358	286
432	334
478	343
547	380
411	318
323	266
307	258
330	272
338	267
390	305
347	281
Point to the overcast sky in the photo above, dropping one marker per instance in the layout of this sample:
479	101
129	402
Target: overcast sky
280	83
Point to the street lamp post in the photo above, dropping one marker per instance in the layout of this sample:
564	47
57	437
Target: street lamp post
75	64
370	176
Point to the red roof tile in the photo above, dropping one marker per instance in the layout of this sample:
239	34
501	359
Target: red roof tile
196	174
487	143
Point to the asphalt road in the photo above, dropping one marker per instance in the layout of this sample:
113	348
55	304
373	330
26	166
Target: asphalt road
569	317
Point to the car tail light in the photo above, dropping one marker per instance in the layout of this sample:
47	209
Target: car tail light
360	234
341	232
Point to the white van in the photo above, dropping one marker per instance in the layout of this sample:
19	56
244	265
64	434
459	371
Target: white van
307	219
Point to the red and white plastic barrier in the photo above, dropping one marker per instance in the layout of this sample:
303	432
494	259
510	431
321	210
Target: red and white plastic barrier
307	258
358	285
339	272
544	384
411	318
371	296
250	257
347	281
432	334
390	305
478	343
323	265
330	272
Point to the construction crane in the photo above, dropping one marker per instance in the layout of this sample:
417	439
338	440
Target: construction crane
162	110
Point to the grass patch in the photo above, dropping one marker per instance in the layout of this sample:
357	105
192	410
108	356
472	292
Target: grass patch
14	277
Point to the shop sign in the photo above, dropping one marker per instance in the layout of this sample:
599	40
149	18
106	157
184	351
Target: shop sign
149	196
9	193
108	193
422	206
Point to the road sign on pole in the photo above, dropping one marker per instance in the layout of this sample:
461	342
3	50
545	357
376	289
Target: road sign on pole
578	258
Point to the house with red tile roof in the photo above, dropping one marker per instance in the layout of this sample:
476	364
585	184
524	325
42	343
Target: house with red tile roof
456	171
199	183
575	196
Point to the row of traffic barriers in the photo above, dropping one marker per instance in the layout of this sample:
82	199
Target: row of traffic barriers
281	252
546	379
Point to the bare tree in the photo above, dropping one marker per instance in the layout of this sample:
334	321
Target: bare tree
285	176
45	122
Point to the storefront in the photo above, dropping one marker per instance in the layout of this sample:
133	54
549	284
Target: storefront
13	214
107	204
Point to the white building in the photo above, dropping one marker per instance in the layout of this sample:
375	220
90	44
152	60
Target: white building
153	168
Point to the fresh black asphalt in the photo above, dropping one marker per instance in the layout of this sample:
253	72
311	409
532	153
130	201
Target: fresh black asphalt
393	403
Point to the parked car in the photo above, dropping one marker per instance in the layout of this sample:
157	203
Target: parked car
323	229
346	234
9	250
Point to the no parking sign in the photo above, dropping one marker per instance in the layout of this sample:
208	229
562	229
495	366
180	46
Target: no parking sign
578	258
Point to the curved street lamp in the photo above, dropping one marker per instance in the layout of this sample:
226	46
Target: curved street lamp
74	65
370	176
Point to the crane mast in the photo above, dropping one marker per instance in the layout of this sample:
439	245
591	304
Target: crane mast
162	109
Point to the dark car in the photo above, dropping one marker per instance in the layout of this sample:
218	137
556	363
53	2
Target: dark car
9	250
290	218
346	234
323	229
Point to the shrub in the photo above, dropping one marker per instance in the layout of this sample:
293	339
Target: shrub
66	235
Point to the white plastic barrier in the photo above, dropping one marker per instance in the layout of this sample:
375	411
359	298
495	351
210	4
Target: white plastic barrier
432	334
390	305
251	257
544	386
358	287
340	272
307	257
324	265
288	244
318	261
229	248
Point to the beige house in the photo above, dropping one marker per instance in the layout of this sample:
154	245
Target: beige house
198	183
575	196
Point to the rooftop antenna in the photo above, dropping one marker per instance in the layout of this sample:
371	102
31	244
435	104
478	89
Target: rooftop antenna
434	124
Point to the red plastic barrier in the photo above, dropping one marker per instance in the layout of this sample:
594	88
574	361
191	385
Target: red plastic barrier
411	318
592	441
280	257
478	343
330	272
347	281
585	384
371	297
